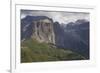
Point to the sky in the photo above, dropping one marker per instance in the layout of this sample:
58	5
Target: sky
61	17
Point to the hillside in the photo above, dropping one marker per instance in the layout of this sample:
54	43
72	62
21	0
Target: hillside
33	51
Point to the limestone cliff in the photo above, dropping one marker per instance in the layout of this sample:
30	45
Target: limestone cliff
41	28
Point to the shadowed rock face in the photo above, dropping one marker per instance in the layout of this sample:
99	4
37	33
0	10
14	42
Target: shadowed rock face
39	28
74	36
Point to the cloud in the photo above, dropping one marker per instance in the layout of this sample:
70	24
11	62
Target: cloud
61	17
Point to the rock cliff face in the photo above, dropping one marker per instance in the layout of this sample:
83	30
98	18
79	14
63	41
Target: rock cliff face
41	28
43	31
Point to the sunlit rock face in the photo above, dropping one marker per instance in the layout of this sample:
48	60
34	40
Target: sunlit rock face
43	30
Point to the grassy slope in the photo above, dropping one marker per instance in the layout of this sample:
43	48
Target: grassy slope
32	51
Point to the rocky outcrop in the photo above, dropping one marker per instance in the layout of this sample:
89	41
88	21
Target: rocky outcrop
43	31
39	28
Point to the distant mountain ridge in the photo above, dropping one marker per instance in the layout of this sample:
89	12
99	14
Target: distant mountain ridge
74	36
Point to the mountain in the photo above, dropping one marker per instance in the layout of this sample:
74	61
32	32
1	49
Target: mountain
45	40
39	28
75	36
